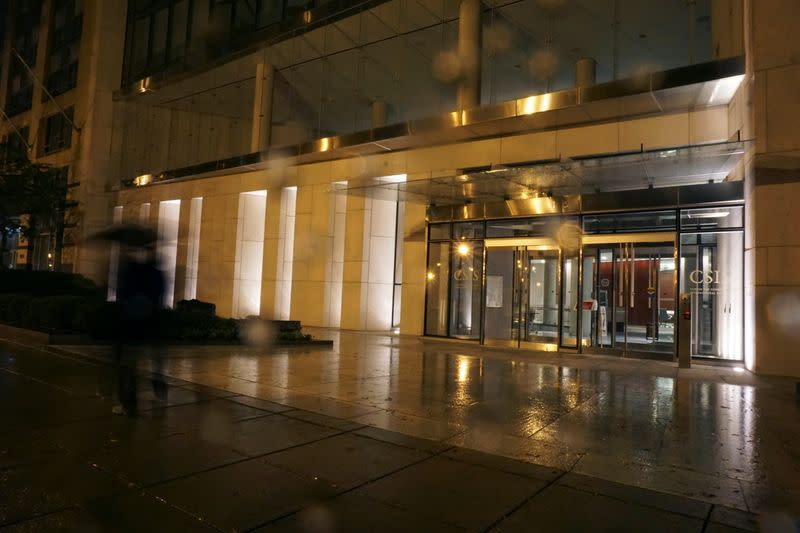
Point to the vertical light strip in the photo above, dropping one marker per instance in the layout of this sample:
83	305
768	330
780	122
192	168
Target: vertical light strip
113	267
168	219
193	248
248	262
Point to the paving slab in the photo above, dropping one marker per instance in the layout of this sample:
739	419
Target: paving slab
354	512
323	420
401	439
504	464
155	461
734	518
245	495
258	403
268	434
32	490
559	508
346	461
461	494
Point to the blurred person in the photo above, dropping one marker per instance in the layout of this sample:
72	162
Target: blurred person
140	297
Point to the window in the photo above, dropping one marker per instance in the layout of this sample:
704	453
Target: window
712	273
630	222
439	232
14	141
62	61
712	218
437	277
57	132
25	40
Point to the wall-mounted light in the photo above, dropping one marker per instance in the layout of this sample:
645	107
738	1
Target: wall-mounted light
144	179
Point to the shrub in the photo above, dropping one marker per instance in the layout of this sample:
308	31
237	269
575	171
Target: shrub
45	283
13	307
197	307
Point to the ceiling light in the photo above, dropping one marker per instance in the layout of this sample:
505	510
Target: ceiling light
716	214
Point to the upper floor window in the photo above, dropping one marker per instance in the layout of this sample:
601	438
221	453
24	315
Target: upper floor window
16	141
25	40
163	33
56	132
62	60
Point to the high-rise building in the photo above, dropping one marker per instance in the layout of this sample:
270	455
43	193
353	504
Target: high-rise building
544	174
60	67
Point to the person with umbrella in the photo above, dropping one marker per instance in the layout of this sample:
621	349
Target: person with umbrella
140	296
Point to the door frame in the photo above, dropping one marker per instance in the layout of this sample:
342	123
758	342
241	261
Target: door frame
618	241
523	245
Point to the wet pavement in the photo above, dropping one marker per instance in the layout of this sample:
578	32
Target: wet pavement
392	433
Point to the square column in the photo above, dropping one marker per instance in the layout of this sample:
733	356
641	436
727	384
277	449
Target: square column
313	263
183	246
412	310
217	254
368	286
271	250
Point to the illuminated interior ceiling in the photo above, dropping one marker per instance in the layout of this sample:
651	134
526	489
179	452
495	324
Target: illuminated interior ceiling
690	165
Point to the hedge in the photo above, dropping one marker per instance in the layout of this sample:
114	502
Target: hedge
44	283
100	319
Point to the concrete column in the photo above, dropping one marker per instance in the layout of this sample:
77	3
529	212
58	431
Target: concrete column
183	247
412	301
469	54
262	107
99	70
378	114
313	252
772	187
217	255
368	285
585	72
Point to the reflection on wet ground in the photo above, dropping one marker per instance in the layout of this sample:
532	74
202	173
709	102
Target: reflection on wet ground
712	433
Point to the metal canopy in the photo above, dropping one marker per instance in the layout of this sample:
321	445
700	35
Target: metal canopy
689	165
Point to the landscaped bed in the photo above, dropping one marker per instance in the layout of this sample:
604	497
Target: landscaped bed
70	305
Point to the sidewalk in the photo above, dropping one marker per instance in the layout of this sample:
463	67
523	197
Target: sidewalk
218	459
213	460
713	433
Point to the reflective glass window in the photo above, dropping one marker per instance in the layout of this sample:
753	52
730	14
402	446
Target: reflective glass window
439	232
465	293
712	268
630	222
545	226
437	279
468	230
712	218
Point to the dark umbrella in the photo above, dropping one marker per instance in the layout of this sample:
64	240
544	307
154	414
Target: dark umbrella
127	234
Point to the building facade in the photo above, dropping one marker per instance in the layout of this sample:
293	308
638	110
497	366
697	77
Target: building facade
60	67
543	174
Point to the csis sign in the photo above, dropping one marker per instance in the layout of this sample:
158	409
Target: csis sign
707	277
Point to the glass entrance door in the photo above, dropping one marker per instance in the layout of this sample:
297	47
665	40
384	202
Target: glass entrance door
523	296
629	297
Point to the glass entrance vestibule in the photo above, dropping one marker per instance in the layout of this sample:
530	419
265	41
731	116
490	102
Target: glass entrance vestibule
605	283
